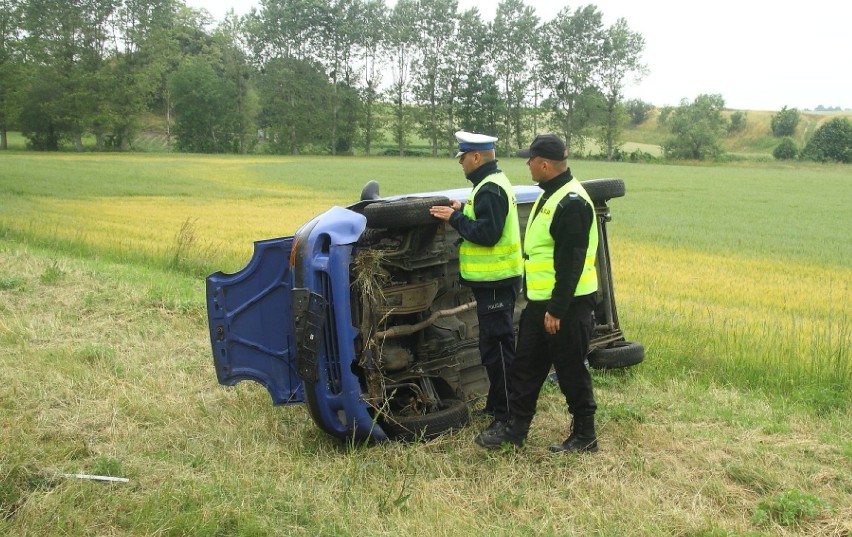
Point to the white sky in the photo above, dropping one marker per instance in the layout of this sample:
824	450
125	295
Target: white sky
758	55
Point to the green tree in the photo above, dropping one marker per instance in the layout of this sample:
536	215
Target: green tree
831	142
474	102
786	150
784	122
149	53
697	127
295	111
435	30
11	64
342	28
638	111
571	56
514	34
234	66
620	63
284	29
373	47
204	119
664	115
401	41
37	118
70	40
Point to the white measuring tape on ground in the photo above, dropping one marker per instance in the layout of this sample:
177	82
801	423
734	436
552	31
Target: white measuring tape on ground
98	477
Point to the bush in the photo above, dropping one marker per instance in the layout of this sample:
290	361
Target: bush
739	119
665	112
784	122
786	150
831	142
638	110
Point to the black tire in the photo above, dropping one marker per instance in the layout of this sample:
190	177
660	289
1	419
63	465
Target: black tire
617	355
403	212
601	190
452	415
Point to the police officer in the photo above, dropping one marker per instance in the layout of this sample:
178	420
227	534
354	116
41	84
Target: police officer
560	245
490	261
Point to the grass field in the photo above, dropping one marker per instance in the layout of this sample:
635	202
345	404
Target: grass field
736	278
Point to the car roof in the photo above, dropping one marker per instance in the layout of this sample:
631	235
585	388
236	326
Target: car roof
523	193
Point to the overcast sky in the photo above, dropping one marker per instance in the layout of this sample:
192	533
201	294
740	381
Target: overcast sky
758	55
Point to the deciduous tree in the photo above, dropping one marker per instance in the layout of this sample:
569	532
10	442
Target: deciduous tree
784	122
402	49
341	33
373	48
203	119
515	37
434	30
11	64
697	127
474	104
571	56
294	104
620	63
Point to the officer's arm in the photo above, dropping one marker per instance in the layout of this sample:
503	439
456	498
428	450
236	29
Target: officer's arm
492	207
570	231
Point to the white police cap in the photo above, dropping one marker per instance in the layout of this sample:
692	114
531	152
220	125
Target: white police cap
469	141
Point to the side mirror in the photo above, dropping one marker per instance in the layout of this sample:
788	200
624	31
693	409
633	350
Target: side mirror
370	191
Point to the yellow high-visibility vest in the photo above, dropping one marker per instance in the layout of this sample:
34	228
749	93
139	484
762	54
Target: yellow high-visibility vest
538	247
478	263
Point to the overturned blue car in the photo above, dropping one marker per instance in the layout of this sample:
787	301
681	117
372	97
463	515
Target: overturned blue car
360	316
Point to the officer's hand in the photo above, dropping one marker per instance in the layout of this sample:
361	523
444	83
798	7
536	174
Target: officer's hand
456	205
440	211
551	324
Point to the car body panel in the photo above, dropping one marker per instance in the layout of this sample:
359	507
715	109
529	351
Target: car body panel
251	323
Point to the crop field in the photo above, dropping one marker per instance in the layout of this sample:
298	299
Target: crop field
736	278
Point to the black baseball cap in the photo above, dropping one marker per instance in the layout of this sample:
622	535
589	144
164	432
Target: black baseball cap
547	146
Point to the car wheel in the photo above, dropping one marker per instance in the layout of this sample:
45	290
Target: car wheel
403	212
601	190
619	354
453	413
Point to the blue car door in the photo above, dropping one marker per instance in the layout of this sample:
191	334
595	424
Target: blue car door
251	323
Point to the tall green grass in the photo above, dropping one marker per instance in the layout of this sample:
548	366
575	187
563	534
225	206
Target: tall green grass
739	274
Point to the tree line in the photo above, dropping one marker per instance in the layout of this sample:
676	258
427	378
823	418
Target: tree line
318	76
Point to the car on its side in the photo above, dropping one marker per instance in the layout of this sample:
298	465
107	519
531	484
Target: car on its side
360	316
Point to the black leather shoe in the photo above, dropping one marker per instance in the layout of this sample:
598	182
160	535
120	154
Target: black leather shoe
582	438
575	444
513	433
496	427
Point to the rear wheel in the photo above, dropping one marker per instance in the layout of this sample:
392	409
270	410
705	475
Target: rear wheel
404	212
601	190
451	414
619	354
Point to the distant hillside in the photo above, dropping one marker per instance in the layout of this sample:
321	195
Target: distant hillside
756	141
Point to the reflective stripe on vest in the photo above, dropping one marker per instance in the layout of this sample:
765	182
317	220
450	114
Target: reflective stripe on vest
538	248
478	263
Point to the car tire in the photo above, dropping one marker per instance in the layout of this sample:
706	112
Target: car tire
617	355
404	212
452	415
601	190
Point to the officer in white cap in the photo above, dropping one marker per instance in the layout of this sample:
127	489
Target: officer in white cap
490	261
469	141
